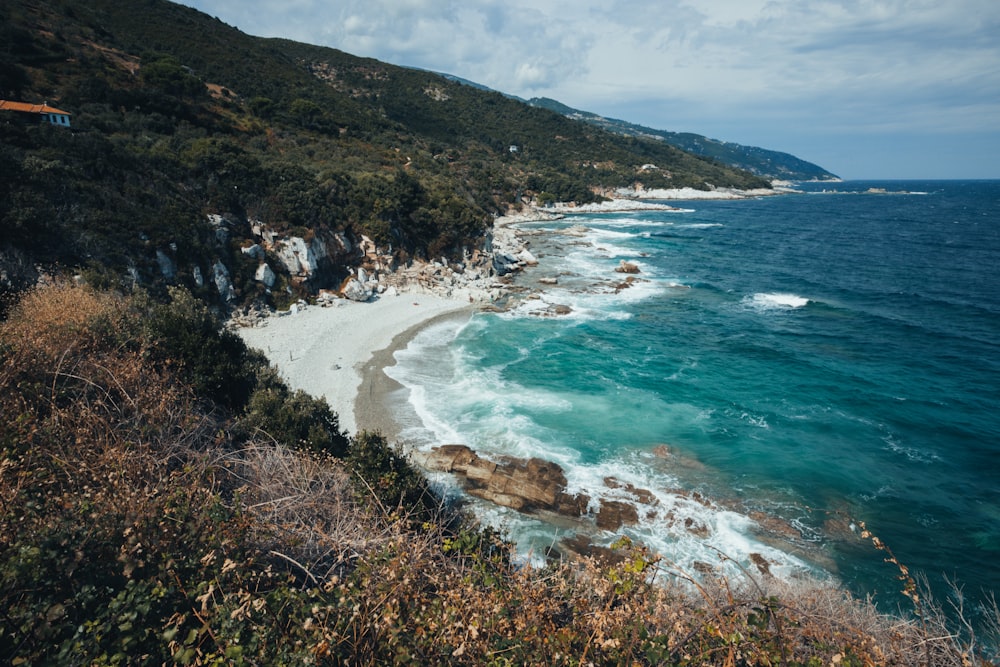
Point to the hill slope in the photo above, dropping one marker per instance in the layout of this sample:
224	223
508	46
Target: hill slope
178	117
761	161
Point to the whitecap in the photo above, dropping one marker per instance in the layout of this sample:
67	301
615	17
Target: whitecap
776	300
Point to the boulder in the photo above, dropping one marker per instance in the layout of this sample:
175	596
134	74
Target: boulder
527	258
616	513
526	485
627	267
504	263
355	291
255	251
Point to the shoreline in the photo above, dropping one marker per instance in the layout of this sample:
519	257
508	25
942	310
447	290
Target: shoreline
327	351
312	347
372	409
339	349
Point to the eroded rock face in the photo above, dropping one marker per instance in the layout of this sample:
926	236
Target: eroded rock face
220	276
301	257
265	274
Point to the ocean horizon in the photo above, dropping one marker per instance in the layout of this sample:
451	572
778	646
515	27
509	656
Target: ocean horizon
780	370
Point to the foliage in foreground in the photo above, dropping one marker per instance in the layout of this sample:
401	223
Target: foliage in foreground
141	523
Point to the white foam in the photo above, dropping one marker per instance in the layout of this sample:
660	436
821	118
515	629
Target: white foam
685	530
458	400
776	300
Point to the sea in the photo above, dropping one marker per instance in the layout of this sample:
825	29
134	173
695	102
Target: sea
781	374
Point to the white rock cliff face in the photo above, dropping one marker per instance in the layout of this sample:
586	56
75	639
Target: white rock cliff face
265	274
313	261
301	258
220	276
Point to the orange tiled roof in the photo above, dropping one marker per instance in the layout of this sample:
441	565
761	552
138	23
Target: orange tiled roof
6	105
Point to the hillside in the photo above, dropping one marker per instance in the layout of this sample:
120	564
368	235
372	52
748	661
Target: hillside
177	117
765	163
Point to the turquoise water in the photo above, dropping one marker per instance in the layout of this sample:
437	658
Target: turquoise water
810	360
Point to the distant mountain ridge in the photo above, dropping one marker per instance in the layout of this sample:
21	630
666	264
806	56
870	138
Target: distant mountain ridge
766	163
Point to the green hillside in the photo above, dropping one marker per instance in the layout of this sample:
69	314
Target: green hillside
761	161
177	116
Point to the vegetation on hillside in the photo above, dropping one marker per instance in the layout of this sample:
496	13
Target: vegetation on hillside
177	116
151	515
761	161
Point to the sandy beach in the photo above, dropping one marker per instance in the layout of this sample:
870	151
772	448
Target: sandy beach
324	351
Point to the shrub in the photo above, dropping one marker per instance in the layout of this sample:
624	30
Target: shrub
295	419
216	362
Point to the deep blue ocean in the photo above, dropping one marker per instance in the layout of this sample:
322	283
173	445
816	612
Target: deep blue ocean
803	362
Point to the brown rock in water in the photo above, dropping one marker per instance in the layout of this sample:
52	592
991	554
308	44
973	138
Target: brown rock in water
580	546
625	285
644	496
627	267
662	451
774	525
703	567
762	564
614	514
526	485
696	528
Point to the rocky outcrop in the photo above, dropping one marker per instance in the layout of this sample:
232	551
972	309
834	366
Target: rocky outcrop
526	485
300	257
616	513
167	267
536	486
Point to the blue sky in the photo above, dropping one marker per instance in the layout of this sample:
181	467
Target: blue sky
864	88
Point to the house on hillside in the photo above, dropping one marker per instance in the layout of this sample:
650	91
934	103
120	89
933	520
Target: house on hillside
39	112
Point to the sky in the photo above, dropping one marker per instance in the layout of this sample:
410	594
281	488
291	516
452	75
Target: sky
867	89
